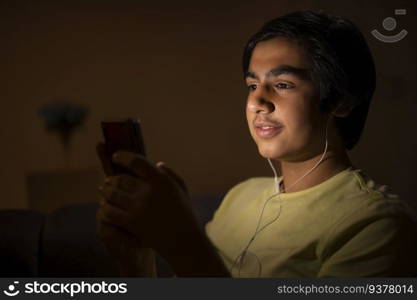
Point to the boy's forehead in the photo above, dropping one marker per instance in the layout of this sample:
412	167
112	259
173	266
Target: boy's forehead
275	52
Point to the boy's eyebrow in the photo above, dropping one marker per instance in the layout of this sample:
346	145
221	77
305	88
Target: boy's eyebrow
283	69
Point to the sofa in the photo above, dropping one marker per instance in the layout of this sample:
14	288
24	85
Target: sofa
64	243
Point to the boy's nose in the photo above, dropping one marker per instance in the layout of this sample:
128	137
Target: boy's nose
261	106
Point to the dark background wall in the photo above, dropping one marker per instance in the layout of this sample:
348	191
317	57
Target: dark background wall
176	65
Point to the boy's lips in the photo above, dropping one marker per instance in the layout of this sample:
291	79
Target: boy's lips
268	132
267	129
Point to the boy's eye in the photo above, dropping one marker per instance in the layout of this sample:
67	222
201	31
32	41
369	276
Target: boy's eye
283	85
252	87
280	85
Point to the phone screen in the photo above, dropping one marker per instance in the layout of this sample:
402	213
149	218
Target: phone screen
123	135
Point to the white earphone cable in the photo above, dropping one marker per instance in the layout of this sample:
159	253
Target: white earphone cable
242	255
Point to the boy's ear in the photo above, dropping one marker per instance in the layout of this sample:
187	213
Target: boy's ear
343	110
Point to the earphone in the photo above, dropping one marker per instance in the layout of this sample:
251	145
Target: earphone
245	251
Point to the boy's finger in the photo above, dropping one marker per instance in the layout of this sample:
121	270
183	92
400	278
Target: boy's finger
135	163
115	216
116	197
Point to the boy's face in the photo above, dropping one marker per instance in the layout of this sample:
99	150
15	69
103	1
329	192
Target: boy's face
282	94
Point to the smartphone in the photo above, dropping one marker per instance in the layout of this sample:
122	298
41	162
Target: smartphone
123	135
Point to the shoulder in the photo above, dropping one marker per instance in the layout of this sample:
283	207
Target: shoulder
373	200
372	218
362	203
358	197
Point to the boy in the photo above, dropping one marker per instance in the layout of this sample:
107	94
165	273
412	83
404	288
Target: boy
310	79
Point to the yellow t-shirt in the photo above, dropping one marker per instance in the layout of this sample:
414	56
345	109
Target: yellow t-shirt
346	226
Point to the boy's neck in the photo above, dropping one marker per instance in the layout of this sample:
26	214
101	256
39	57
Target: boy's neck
333	162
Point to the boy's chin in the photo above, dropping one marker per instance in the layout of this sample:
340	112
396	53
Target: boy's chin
269	153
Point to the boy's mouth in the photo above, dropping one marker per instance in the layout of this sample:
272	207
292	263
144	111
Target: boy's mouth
267	129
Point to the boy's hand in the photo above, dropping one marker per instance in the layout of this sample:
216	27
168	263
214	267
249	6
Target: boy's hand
131	257
152	204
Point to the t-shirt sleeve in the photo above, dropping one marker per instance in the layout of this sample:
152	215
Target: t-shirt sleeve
374	246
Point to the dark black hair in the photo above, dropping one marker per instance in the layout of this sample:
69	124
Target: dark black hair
343	69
